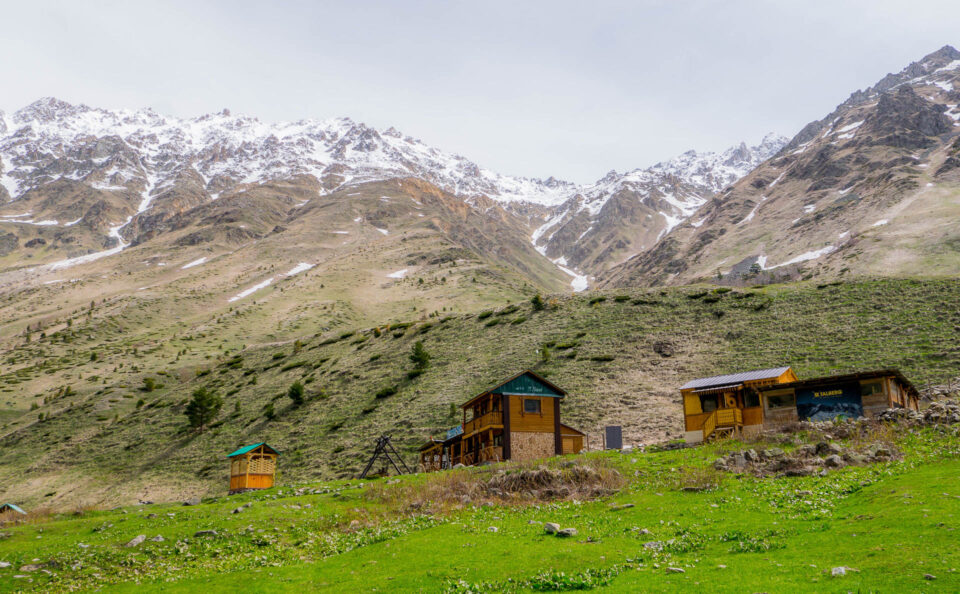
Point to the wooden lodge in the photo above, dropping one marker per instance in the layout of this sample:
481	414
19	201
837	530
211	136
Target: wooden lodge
252	467
518	419
749	402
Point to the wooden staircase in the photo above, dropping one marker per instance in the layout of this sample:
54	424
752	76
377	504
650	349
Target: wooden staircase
723	422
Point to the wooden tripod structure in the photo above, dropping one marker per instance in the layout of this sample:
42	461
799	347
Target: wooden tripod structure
385	448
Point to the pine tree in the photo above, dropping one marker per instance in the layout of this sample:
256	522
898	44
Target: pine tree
420	357
203	408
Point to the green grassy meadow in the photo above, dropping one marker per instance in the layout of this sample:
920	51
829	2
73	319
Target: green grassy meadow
890	524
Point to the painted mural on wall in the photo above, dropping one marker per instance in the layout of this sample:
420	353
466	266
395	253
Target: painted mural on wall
828	402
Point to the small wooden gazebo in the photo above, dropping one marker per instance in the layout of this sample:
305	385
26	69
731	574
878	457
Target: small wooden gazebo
252	467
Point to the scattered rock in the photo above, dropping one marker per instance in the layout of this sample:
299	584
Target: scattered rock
833	461
136	541
205	533
675	570
620	507
773	453
534	522
838	571
827	449
751	455
654	545
192	501
929	576
493	529
567	532
157	538
551	528
239	510
30	567
151	516
4	565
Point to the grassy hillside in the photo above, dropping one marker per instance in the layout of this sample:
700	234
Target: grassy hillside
672	524
93	432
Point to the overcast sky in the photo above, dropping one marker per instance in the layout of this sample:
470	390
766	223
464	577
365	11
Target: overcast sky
570	89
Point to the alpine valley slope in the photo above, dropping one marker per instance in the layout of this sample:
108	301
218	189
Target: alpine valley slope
871	189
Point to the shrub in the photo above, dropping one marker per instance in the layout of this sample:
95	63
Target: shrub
597	300
492	322
386	392
484	315
621	298
277	356
538	302
149	384
602	358
296	393
268	411
518	320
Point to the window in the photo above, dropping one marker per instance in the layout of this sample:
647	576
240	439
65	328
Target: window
781	399
708	402
751	398
531	406
868	388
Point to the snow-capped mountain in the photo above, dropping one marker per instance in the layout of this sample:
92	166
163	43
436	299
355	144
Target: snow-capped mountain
120	177
53	139
621	215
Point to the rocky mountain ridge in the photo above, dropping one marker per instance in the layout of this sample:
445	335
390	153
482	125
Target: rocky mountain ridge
872	188
94	181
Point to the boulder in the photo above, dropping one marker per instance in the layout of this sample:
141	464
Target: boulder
567	532
675	570
773	453
825	448
192	501
833	461
136	541
157	538
551	528
751	455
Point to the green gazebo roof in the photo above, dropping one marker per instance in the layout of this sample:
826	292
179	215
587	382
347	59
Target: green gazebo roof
246	449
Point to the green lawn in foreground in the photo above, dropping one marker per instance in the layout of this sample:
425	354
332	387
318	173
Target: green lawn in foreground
893	522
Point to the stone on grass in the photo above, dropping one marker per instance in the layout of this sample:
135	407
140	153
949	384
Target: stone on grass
551	528
929	576
492	529
675	570
192	501
838	571
4	565
136	541
205	533
567	532
157	538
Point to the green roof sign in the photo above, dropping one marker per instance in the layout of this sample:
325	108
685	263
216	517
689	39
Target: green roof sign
527	384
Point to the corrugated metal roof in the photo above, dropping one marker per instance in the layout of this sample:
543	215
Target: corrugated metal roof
735	378
13	507
246	449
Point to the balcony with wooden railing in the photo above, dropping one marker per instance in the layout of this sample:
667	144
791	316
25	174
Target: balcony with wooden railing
490	420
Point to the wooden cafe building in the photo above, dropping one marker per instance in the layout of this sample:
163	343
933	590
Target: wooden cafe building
748	402
518	419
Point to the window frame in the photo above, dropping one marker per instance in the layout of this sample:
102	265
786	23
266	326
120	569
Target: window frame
539	406
779	396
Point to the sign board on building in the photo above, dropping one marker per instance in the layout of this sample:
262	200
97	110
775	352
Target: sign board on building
613	437
458	430
827	402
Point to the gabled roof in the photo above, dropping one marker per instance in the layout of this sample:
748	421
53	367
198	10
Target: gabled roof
568	430
525	383
735	378
248	448
6	506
